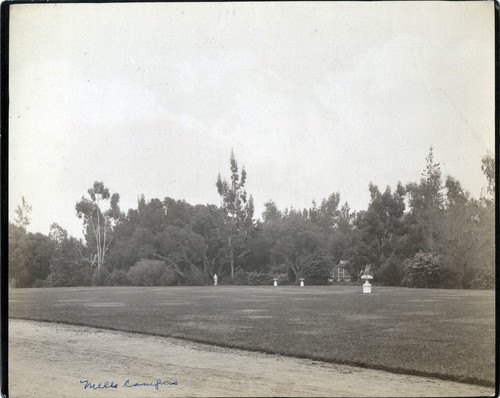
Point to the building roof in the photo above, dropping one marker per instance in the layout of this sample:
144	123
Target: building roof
342	264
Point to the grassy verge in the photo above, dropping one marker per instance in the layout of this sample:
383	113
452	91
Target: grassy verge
441	333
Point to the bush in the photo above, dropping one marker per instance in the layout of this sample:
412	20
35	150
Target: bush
425	270
390	273
283	279
282	273
483	278
450	279
117	277
223	279
316	270
43	282
279	269
70	274
259	278
194	277
100	277
169	278
240	277
147	273
68	267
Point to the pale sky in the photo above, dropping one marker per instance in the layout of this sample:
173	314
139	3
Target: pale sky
314	98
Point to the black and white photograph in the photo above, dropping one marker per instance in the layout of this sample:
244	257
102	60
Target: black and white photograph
266	199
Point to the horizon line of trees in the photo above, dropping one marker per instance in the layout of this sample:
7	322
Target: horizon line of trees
429	233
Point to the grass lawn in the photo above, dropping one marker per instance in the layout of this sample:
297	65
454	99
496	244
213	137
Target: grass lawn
448	334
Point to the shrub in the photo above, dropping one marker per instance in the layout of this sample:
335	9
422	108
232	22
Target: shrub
283	279
194	277
70	275
279	269
117	277
281	272
240	277
223	279
483	278
450	279
424	270
43	282
68	267
100	277
259	278
147	273
316	270
83	276
390	273
169	278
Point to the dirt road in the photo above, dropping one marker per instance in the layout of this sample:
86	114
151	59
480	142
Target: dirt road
55	360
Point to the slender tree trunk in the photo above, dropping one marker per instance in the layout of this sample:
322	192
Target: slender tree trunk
206	265
295	268
104	240
231	255
205	270
430	232
99	258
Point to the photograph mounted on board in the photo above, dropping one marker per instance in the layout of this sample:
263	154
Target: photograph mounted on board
251	199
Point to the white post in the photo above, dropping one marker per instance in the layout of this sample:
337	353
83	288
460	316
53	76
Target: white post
215	279
275	281
367	287
302	282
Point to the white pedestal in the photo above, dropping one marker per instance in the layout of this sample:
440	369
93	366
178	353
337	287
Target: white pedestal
302	283
275	283
367	288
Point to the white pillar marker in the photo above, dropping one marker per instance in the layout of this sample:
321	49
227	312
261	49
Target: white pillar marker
275	281
215	279
366	275
302	282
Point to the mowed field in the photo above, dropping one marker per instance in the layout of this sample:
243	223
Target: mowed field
449	334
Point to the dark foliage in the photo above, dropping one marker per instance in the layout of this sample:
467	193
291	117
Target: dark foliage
317	269
150	273
425	270
429	233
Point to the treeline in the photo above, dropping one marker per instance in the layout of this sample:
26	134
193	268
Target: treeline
429	233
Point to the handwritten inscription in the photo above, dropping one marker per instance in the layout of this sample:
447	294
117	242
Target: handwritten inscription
98	386
88	385
158	382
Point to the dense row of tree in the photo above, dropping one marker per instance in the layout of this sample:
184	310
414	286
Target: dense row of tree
429	233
